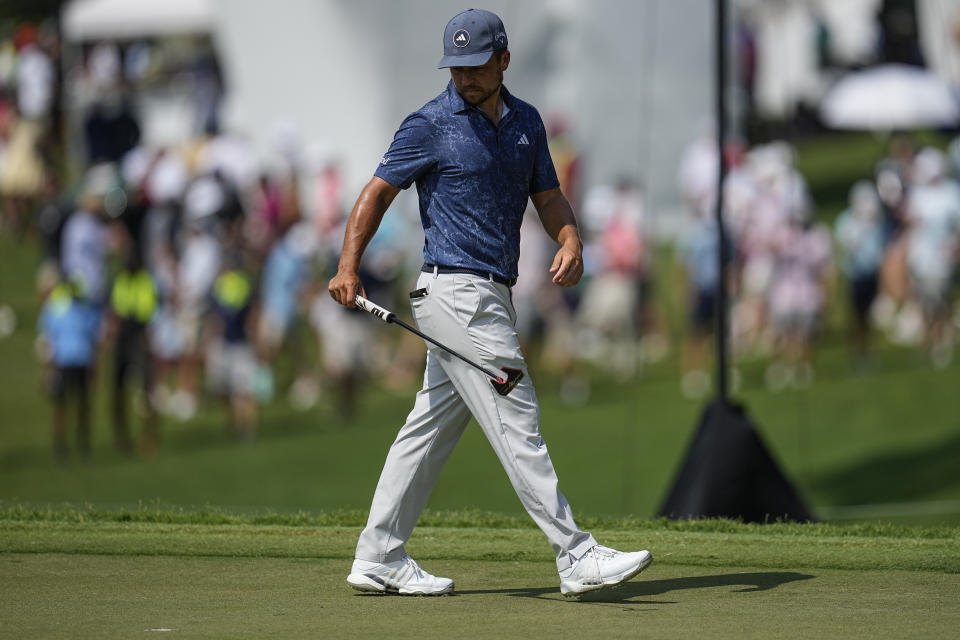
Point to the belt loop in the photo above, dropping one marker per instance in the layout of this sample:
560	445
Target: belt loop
490	276
436	271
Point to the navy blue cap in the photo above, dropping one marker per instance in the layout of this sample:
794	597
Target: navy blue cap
471	37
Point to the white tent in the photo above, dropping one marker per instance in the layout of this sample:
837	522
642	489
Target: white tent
168	115
342	74
119	19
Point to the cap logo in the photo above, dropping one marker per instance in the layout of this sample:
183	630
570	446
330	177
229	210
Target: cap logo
461	38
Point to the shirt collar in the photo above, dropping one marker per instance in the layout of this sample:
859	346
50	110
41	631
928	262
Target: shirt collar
457	104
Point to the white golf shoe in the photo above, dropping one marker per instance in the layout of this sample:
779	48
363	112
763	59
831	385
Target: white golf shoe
602	567
403	576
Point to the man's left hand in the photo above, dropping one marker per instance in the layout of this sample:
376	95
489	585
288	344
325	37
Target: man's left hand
559	223
567	267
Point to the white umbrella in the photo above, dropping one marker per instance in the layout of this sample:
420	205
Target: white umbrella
889	97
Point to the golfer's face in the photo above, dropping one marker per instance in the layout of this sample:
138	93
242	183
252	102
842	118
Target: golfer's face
478	84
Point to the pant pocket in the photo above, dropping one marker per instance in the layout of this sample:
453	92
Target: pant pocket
466	299
420	305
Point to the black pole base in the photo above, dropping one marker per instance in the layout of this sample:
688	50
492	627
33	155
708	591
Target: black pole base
729	473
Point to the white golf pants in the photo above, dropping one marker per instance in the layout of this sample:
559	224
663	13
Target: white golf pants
473	316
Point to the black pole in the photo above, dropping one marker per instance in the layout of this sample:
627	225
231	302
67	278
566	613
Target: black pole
721	116
728	472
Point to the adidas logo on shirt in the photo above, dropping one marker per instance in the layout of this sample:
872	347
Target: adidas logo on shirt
523	139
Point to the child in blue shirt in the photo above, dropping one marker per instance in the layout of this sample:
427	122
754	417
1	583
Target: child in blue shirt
69	326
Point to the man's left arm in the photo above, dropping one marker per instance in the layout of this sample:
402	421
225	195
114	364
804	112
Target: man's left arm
558	220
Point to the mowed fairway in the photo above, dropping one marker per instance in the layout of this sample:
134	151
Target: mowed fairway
99	575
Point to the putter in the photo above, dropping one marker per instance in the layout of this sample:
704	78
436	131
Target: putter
503	385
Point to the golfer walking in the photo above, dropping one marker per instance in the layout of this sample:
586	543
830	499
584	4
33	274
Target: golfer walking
476	153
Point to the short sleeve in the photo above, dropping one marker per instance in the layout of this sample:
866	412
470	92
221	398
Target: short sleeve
544	174
410	155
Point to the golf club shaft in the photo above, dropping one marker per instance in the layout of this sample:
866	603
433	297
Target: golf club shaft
388	317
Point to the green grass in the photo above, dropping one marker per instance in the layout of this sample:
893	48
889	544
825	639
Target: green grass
884	436
214	538
83	573
463	519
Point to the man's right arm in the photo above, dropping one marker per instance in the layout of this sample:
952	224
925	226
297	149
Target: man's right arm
361	226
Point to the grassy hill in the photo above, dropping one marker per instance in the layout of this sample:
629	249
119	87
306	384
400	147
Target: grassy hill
874	443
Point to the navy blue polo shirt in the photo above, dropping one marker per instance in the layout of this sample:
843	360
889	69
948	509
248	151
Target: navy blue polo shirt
473	178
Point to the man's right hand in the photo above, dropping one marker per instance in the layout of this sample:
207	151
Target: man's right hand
344	288
361	226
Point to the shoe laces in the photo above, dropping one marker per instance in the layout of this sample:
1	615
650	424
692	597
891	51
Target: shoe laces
588	567
602	553
410	566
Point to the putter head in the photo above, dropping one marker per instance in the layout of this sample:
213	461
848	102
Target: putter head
506	385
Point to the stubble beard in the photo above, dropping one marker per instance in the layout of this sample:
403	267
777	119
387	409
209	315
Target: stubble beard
486	96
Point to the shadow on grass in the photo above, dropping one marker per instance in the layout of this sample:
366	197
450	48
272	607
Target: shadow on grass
751	582
895	477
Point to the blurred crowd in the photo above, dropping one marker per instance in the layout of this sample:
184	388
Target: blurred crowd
892	253
196	272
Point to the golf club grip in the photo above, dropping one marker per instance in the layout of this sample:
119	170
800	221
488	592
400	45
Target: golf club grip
372	308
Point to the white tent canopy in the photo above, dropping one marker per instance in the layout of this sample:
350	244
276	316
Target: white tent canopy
118	19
